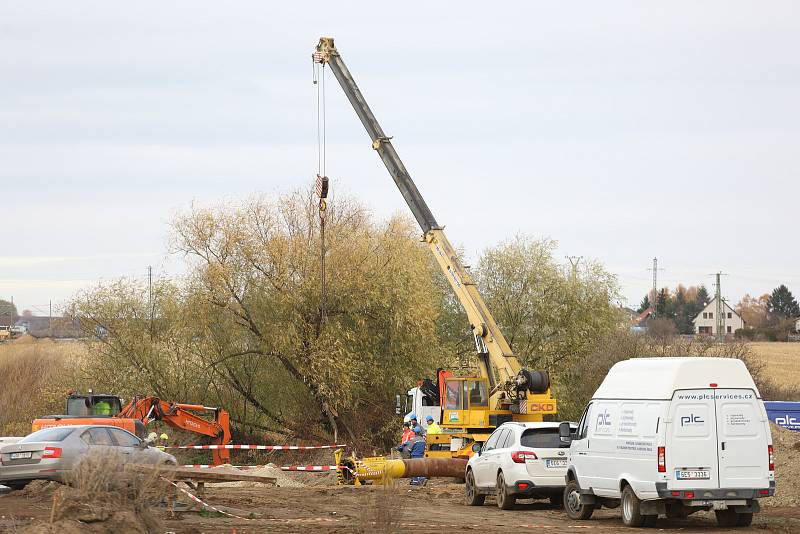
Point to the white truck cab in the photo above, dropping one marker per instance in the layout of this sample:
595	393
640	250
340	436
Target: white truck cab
421	404
672	436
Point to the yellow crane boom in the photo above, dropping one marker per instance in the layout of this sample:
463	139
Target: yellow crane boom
511	386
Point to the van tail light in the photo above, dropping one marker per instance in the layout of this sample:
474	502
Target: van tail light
662	460
51	452
771	455
520	457
688	494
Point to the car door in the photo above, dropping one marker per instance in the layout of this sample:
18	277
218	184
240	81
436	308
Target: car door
579	451
98	440
742	433
494	457
482	466
126	443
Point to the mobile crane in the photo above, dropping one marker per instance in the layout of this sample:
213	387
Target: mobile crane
82	409
502	389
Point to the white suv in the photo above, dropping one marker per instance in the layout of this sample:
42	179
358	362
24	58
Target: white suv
518	461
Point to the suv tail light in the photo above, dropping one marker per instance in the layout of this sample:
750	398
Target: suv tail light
520	457
662	460
51	452
771	456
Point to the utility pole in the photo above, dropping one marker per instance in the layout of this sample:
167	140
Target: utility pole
50	318
720	309
574	261
655	285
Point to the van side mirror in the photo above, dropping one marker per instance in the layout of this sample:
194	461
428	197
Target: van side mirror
397	409
476	448
565	433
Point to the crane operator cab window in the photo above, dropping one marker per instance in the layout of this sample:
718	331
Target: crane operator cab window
478	397
453	393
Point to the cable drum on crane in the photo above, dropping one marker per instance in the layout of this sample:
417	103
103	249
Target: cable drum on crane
533	381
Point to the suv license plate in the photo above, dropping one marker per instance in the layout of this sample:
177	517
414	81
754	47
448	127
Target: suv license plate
20	455
559	462
693	474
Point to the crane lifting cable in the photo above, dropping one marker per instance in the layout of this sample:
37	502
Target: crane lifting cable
321	185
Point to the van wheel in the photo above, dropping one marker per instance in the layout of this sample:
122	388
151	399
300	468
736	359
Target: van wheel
473	498
726	518
505	500
631	514
572	503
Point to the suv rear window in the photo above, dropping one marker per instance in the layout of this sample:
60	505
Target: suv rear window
58	433
540	438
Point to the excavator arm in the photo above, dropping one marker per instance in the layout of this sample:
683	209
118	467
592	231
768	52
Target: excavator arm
183	416
496	361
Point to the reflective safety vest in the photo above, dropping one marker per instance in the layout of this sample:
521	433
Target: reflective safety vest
407	435
434	428
102	408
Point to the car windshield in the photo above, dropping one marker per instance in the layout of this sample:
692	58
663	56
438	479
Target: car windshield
58	433
541	438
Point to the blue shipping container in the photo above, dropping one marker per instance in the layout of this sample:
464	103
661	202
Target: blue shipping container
784	413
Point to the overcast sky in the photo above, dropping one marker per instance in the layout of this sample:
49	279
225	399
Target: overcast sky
624	130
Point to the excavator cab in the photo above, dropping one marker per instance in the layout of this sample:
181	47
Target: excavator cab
93	405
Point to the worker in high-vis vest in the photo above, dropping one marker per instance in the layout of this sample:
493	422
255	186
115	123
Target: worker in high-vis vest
433	427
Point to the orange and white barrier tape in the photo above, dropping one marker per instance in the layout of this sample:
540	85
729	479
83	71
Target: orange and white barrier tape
258	447
312	467
204	504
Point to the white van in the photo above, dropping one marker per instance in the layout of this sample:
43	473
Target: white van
671	436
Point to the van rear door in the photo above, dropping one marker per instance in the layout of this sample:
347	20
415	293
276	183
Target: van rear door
741	430
691	440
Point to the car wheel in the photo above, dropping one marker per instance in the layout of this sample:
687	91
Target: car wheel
505	500
572	502
631	513
727	518
473	498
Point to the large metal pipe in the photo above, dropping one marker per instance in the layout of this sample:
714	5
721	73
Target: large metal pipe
426	467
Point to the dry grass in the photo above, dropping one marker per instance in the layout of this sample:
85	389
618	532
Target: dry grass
35	376
781	361
101	490
384	512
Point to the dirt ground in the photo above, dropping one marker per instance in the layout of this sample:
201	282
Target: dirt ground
437	507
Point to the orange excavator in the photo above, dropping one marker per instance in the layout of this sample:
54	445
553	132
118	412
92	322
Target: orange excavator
104	409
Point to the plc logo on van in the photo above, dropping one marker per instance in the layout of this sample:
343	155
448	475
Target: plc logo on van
691	419
603	419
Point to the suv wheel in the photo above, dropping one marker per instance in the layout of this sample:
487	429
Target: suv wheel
473	498
572	502
631	514
505	500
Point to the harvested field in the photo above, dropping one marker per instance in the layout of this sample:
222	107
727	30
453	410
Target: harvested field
780	360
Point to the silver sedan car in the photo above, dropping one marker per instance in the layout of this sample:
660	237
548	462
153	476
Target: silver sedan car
52	452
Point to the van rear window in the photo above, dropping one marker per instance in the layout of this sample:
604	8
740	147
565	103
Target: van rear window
541	438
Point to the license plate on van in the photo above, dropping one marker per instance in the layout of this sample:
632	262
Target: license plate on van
556	463
20	455
692	474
